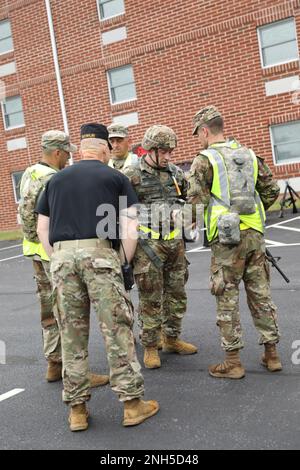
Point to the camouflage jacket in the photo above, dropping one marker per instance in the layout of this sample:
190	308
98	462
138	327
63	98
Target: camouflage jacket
201	177
162	188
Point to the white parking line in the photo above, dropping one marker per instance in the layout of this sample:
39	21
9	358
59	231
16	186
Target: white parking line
293	229
270	242
10	247
200	249
12	393
283	222
13	257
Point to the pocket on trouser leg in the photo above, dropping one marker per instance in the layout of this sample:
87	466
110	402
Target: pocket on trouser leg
52	347
123	311
217	282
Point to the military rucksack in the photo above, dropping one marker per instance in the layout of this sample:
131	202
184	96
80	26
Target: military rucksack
236	166
33	182
240	172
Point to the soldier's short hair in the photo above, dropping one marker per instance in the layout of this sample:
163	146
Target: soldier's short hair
216	125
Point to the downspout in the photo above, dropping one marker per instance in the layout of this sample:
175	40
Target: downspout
57	69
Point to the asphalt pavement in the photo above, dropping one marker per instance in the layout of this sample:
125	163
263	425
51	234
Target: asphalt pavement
261	411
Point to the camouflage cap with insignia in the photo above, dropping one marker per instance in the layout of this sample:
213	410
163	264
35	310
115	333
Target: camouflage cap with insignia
117	130
57	140
204	116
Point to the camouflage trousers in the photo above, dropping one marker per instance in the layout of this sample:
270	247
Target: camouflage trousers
50	331
162	296
86	276
229	266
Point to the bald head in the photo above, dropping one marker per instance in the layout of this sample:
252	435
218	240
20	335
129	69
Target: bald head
94	149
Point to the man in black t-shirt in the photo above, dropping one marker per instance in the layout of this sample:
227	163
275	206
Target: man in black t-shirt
86	270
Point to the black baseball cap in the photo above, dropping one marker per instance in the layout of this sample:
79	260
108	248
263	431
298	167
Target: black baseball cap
94	131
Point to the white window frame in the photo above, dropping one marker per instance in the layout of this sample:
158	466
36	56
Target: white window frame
260	44
109	87
108	17
286	162
14	184
11	50
3	116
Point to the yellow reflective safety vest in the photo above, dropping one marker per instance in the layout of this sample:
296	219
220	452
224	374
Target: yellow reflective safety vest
132	159
33	181
220	192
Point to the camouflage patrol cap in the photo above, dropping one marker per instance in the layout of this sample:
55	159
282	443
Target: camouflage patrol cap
204	116
117	130
57	140
159	137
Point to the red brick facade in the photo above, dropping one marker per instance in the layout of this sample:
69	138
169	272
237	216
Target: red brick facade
185	54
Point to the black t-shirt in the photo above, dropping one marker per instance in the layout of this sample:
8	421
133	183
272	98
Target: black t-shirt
72	197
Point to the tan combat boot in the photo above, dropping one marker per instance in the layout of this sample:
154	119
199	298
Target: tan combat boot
151	357
78	418
271	359
54	371
98	380
176	345
136	411
231	368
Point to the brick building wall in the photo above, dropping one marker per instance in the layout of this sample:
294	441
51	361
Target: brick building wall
185	54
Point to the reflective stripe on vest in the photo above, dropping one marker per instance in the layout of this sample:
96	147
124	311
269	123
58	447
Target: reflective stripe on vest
34	249
157	236
220	200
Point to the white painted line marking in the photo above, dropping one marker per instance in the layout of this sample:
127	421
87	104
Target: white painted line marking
283	222
201	249
284	246
270	242
13	257
12	393
293	229
10	247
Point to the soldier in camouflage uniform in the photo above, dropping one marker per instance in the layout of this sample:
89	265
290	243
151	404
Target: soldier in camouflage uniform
160	266
120	141
239	260
86	271
56	148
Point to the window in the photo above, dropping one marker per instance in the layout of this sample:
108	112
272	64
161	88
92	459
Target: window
16	179
6	42
109	8
121	84
278	42
13	112
286	142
